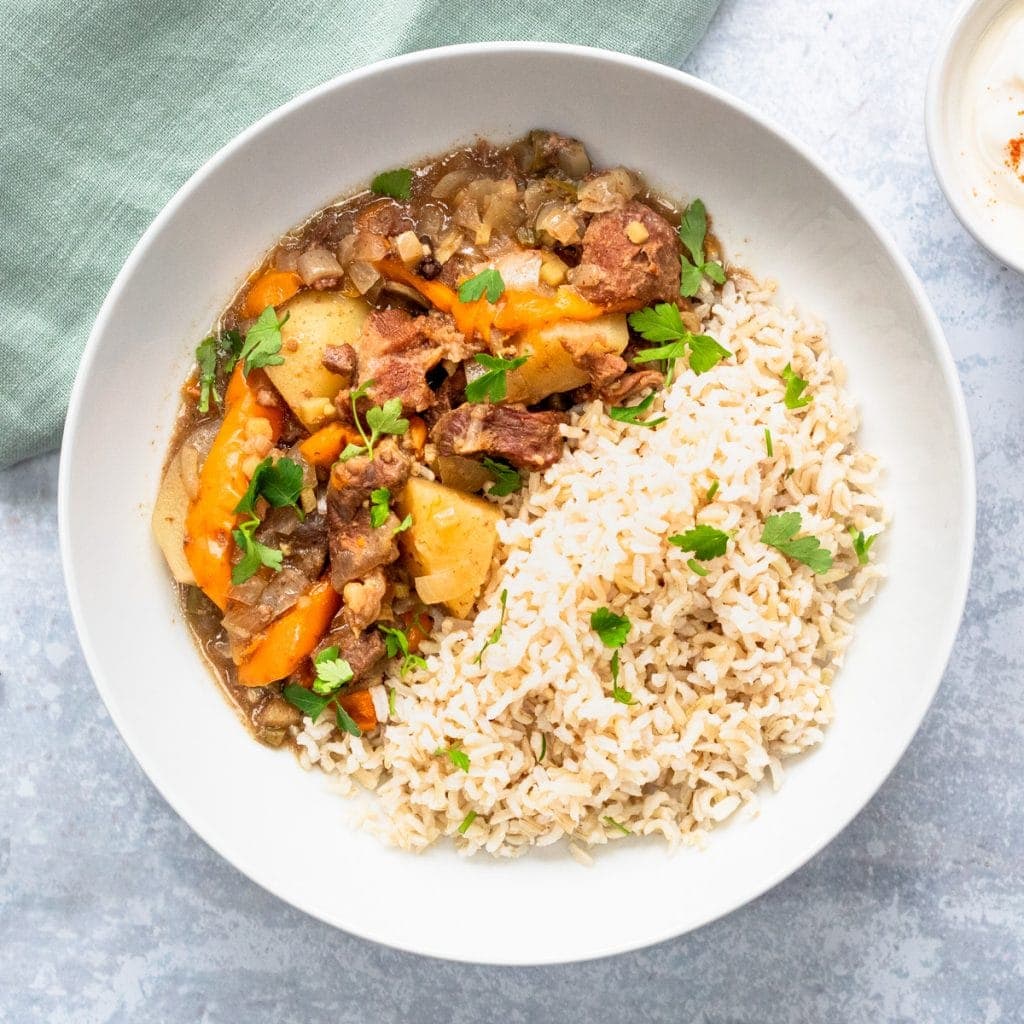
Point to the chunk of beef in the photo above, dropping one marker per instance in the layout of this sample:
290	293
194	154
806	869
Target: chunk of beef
357	547
632	385
619	273
397	350
362	650
362	600
352	481
529	440
591	353
341	359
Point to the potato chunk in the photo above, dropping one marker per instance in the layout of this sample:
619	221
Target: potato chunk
450	543
315	320
169	511
550	367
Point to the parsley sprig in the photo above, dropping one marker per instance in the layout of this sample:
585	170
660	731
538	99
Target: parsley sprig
396	183
779	532
314	705
795	387
492	385
332	671
224	348
262	345
459	758
507	480
634	413
663	323
488	282
496	632
279	482
381	419
613	630
617	825
466	822
706	542
396	642
693	230
254	554
862	544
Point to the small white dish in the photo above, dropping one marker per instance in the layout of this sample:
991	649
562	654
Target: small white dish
779	211
948	91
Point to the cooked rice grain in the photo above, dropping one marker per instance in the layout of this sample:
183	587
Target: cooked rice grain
731	672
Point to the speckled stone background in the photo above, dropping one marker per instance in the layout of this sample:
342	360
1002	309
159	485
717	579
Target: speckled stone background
112	910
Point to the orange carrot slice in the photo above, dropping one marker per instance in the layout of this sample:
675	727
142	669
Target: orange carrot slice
271	289
222	482
292	637
359	706
323	447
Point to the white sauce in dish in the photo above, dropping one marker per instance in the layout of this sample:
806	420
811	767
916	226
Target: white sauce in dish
992	127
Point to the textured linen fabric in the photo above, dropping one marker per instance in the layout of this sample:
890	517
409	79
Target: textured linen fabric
108	106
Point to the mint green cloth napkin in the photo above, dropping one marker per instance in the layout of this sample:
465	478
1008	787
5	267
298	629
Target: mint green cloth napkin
108	107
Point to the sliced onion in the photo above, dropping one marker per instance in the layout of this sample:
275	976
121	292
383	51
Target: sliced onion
316	265
558	221
520	270
364	276
451	182
608	191
440	586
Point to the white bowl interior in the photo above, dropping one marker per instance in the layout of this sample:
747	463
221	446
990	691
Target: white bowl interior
943	121
777	211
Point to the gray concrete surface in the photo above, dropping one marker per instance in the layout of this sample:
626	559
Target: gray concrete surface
111	910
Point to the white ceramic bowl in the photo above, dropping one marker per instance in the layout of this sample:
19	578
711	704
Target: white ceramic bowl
946	83
777	209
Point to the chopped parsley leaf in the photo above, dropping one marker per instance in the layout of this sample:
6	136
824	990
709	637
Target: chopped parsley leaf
206	357
344	721
779	531
612	823
380	507
487	282
795	387
263	342
313	705
768	446
397	184
618	693
391	702
396	642
496	632
332	671
507	479
466	822
492	385
611	628
279	482
633	413
696	567
664	324
459	758
693	231
254	554
381	419
706	542
862	544
712	490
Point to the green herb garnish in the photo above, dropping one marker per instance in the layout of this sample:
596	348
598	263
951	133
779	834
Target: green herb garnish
704	541
397	183
633	413
279	482
254	554
611	628
543	747
712	490
662	323
206	357
612	823
466	822
313	705
778	533
396	642
768	446
693	231
492	385
332	671
391	702
496	632
618	693
862	544
380	507
507	480
458	757
795	386
263	342
487	282
403	525
696	567
381	419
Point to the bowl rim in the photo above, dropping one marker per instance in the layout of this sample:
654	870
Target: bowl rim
931	323
959	34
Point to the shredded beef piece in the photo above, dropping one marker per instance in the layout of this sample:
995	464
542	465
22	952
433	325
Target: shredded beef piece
529	440
342	360
630	386
362	651
352	481
397	350
620	274
357	547
362	600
